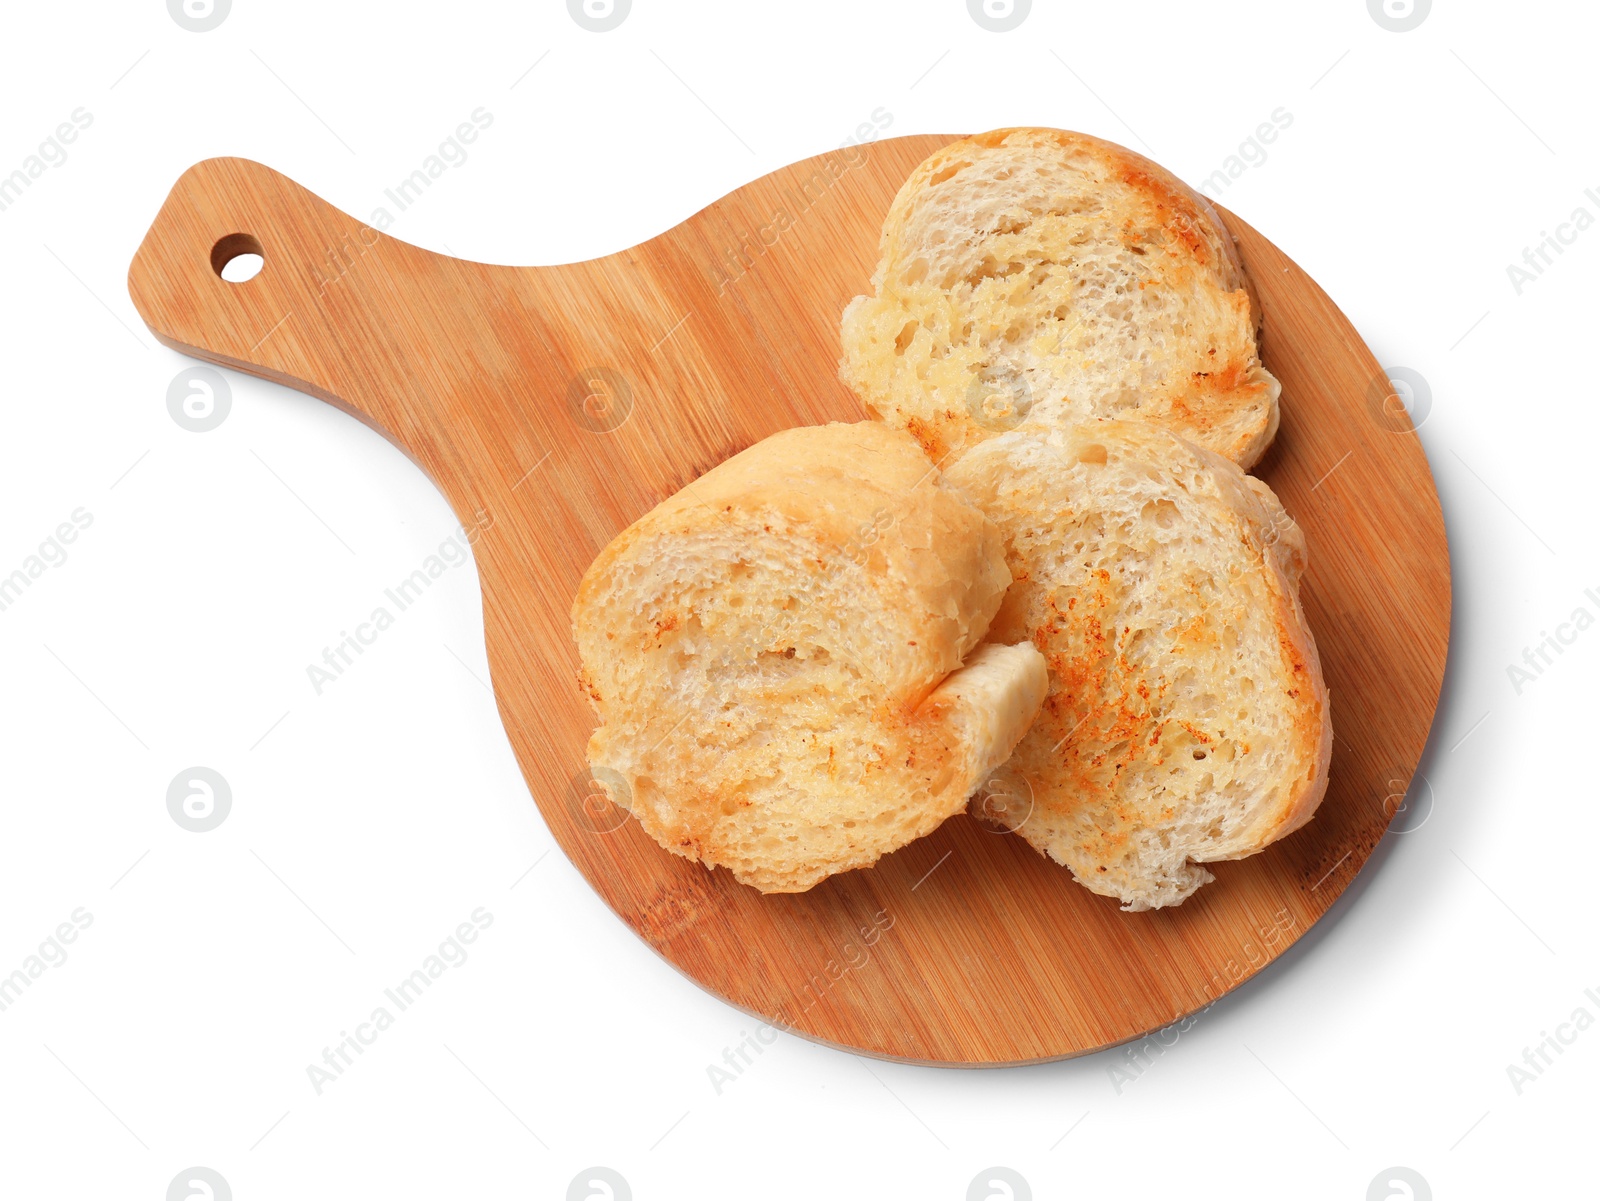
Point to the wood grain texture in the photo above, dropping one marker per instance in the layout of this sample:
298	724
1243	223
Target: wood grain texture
966	947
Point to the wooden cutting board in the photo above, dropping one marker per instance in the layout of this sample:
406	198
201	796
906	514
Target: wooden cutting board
555	405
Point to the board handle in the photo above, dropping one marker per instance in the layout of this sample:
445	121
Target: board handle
333	311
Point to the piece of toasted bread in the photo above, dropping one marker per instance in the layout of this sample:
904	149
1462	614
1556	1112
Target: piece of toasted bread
776	655
1187	719
1035	267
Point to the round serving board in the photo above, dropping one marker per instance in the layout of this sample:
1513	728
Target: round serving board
555	405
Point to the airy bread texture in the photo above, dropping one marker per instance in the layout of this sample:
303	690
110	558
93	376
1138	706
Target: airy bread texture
776	655
1028	268
1187	719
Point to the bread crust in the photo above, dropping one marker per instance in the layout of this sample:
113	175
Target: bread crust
776	656
1284	557
931	333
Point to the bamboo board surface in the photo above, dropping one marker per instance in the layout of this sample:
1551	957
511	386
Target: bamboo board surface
555	405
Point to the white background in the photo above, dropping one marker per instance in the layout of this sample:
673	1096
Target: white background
369	821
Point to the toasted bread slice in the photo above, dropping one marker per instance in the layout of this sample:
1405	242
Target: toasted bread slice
1187	719
1033	267
776	655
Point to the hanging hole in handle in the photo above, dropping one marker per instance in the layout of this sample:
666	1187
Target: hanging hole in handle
238	257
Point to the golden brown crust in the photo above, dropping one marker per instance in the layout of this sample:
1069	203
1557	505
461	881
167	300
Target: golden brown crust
862	490
1313	729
